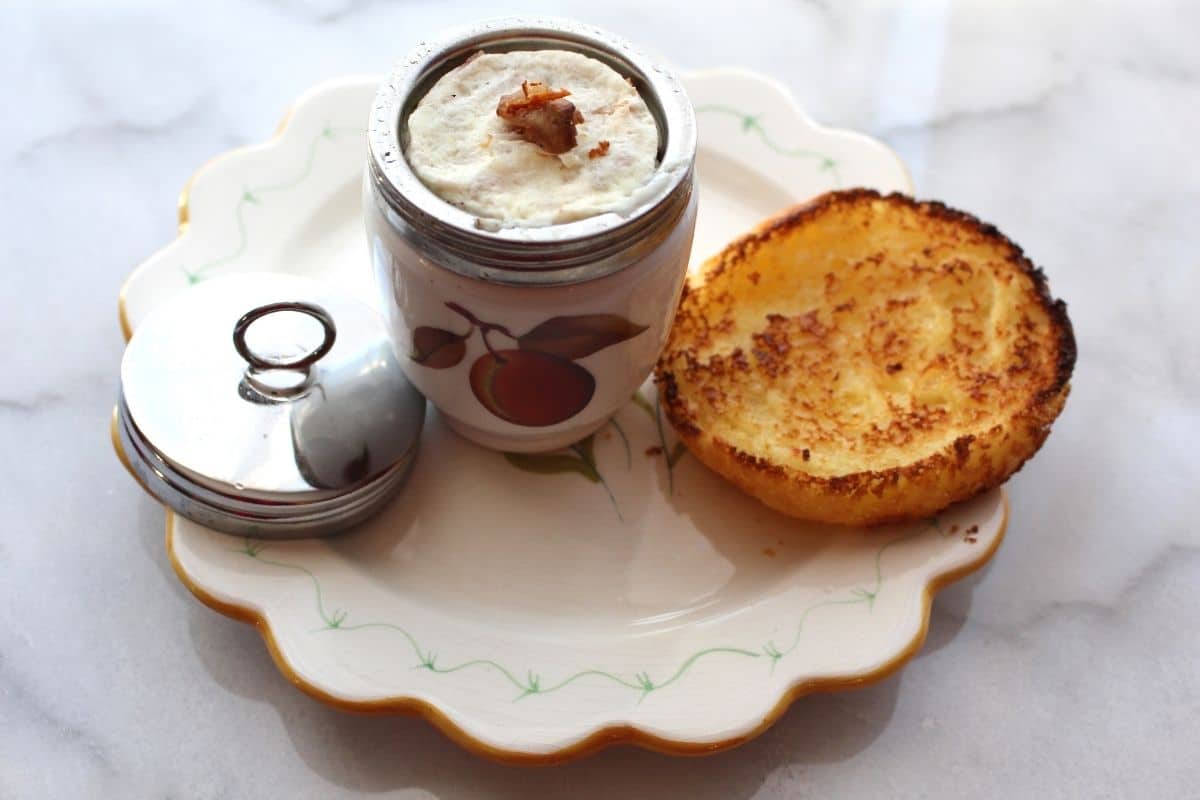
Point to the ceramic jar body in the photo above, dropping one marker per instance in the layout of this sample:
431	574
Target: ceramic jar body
526	367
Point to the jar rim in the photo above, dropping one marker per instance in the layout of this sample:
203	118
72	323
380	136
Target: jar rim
566	252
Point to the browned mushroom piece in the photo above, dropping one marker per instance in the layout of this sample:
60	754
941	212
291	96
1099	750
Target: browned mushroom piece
542	116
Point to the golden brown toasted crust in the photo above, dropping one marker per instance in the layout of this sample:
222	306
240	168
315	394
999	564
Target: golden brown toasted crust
864	359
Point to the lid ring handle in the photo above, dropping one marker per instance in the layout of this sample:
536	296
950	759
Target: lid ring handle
311	309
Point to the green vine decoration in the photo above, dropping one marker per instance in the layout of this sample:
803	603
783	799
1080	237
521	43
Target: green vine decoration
253	196
332	619
751	124
671	453
625	441
582	462
580	458
533	682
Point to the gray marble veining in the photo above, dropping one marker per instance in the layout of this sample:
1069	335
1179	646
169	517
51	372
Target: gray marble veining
1068	668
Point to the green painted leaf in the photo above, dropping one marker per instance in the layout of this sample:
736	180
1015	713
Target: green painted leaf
677	452
551	464
579	336
587	449
643	404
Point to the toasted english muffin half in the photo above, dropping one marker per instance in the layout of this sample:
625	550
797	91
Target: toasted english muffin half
863	359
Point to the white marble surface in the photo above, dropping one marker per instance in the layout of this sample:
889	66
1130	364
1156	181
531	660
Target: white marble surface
1069	668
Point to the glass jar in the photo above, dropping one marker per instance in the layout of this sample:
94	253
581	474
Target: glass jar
528	338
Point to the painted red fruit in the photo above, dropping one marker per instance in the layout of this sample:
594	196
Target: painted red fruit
530	388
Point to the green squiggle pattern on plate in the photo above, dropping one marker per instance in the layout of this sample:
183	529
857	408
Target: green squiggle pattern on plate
531	682
253	196
751	124
671	455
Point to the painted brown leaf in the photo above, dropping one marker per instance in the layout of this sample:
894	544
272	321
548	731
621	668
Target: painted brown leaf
579	336
437	348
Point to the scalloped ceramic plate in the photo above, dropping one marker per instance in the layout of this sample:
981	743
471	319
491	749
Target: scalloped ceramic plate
539	610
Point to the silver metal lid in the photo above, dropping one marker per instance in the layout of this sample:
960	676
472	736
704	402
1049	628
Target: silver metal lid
268	405
564	253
